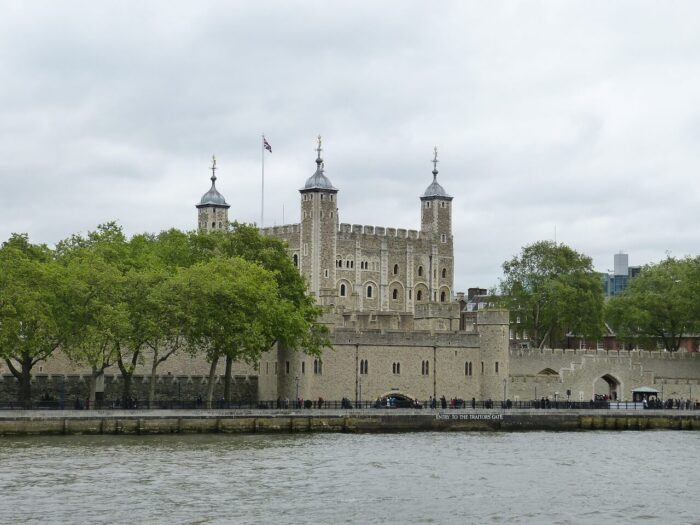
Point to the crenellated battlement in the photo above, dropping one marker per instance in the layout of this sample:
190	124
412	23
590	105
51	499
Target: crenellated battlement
537	353
415	338
285	229
379	231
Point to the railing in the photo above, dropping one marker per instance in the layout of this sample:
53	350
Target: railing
283	404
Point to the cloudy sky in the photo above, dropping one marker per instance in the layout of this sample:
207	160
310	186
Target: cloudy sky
576	117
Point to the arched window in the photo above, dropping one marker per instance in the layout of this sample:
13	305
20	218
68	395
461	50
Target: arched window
396	269
395	294
427	368
466	368
422	367
364	366
420	271
393	368
419	295
318	367
296	260
369	291
398	368
442	297
444	273
342	290
470	368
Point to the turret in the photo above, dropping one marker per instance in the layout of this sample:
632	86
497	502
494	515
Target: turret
212	208
436	207
436	224
319	230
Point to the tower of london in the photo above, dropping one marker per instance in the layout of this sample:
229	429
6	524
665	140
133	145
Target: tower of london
389	300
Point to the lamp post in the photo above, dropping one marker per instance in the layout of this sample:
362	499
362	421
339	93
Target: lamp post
360	390
662	391
296	378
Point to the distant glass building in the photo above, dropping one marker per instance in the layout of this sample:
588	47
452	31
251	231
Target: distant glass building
616	282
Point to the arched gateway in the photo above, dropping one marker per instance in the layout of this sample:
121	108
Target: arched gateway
607	385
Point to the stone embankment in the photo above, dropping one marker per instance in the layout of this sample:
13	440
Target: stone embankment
69	422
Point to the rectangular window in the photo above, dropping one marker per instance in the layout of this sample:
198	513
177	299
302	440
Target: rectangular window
497	367
287	366
482	367
303	367
306	249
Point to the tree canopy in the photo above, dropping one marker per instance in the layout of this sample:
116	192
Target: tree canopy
32	312
551	290
661	305
106	299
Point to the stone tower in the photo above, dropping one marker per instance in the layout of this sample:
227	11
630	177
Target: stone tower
212	208
319	232
436	224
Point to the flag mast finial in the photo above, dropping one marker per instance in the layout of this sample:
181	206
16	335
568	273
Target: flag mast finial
213	169
435	161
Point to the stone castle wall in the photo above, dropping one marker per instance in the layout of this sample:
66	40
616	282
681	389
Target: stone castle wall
589	372
67	389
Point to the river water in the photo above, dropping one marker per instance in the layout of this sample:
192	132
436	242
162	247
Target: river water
536	477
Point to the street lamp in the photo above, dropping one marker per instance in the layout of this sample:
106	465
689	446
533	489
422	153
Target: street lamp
297	382
360	389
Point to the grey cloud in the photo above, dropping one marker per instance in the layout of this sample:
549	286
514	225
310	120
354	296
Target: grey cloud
575	115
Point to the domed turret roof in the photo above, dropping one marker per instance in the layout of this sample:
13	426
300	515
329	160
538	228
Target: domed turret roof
319	181
435	189
213	197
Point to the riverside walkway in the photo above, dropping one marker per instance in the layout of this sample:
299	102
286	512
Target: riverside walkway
247	421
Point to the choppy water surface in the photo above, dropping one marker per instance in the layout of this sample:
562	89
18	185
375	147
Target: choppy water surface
593	477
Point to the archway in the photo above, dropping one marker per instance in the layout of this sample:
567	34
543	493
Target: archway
608	387
397	399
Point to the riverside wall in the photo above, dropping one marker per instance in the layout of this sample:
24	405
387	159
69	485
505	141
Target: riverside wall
25	423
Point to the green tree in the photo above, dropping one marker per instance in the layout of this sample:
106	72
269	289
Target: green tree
32	311
297	325
552	290
231	310
661	304
95	290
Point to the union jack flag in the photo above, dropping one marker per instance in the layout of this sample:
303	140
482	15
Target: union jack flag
266	145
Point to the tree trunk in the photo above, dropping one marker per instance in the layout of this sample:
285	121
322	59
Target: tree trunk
25	385
152	386
93	387
227	380
210	386
24	378
127	374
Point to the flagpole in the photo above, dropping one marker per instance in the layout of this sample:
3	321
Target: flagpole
262	192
